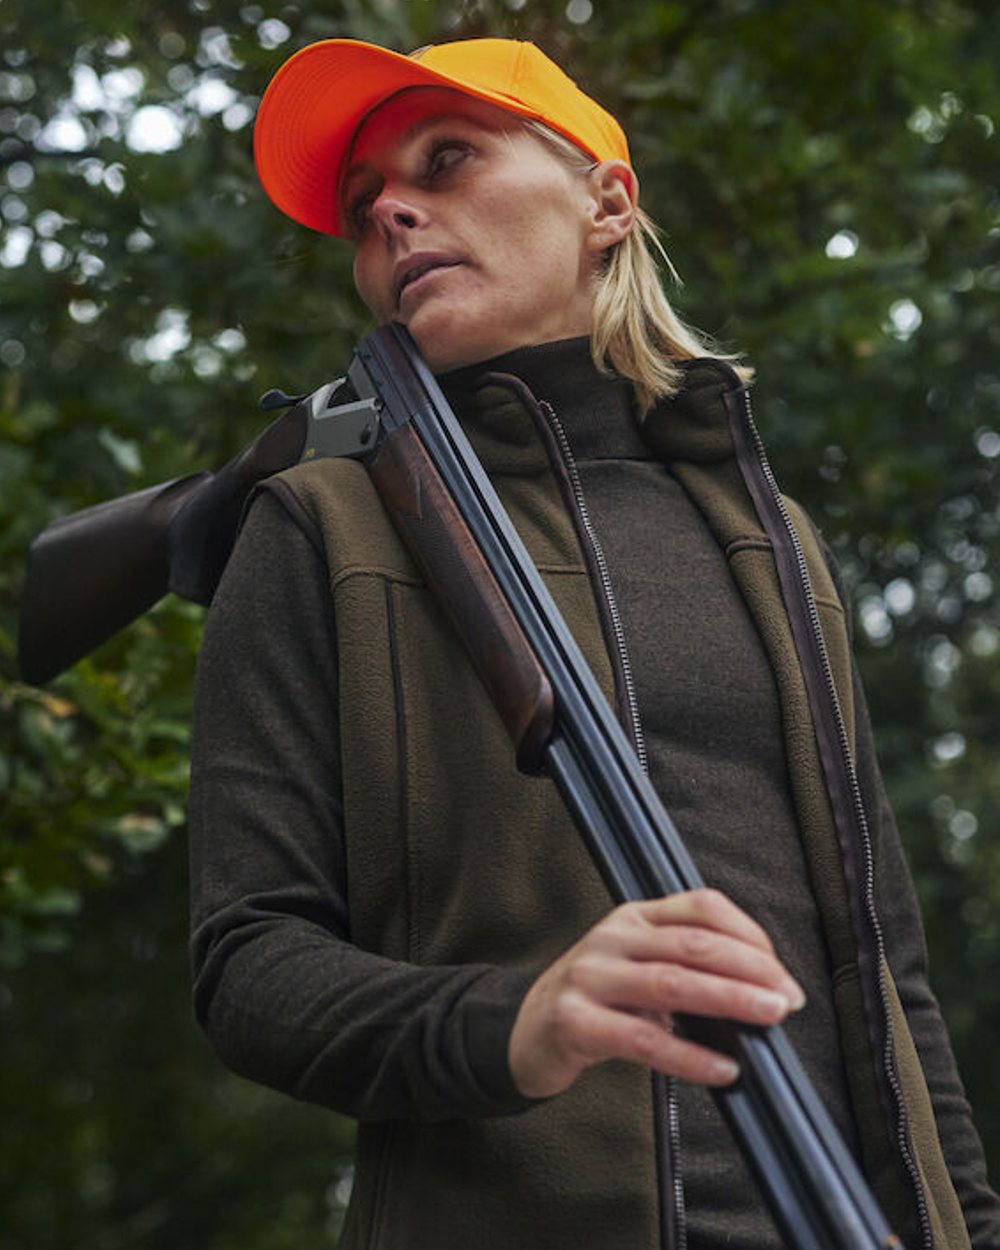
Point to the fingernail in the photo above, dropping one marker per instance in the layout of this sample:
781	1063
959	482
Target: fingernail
769	1006
797	997
725	1071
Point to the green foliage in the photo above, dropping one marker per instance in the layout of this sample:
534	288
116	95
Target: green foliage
128	1133
826	173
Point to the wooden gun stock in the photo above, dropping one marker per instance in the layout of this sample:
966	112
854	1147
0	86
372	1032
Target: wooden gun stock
430	525
92	573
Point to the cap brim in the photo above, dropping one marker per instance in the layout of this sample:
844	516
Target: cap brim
313	106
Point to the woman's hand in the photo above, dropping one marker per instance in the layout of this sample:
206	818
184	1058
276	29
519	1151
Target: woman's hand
612	995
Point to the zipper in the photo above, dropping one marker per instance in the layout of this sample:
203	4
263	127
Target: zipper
666	1117
601	563
831	711
674	1165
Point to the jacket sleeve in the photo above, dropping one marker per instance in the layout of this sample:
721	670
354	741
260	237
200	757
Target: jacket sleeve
907	954
906	951
282	993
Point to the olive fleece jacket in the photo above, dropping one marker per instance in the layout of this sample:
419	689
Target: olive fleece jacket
361	1013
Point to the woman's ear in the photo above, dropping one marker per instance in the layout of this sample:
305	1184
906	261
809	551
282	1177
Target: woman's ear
614	190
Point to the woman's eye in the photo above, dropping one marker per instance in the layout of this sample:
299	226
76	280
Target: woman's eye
444	154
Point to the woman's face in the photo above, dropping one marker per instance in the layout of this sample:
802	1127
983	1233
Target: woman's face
469	230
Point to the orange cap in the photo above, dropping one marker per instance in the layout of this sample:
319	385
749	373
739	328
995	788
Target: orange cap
315	102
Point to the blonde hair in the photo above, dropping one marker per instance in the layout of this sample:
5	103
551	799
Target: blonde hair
636	333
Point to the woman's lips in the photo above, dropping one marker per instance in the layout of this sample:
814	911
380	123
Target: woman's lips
418	269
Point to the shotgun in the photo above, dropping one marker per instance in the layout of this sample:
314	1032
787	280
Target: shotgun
390	413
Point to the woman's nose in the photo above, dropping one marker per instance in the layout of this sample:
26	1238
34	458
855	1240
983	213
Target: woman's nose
393	212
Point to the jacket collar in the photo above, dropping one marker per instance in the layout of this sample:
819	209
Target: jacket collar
694	425
497	402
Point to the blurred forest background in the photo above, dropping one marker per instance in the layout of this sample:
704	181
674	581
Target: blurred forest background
827	173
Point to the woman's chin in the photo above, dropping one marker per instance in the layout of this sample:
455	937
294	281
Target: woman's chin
448	341
444	355
451	334
459	347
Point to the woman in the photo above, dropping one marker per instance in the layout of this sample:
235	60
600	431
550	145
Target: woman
389	920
